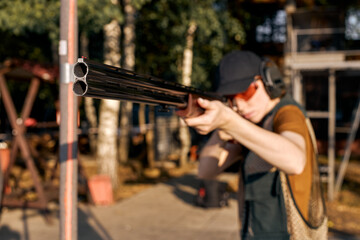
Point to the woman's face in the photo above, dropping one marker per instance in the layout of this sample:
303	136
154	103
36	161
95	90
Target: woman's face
255	108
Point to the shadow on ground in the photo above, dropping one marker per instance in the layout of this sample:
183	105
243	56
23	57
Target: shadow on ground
7	233
186	187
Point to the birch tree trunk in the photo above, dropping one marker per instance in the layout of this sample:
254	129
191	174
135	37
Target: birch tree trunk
142	119
89	107
128	63
90	113
184	133
149	136
151	171
109	109
55	52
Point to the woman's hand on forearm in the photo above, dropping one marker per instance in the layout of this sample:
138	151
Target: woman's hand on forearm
215	116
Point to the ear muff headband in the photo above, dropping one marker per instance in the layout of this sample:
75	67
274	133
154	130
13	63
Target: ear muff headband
272	78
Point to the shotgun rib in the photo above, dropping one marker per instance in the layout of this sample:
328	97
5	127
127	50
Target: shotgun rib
108	82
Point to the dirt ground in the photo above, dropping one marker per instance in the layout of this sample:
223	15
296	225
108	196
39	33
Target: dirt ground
343	218
343	212
132	178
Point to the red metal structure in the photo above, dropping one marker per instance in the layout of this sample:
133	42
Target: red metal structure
35	73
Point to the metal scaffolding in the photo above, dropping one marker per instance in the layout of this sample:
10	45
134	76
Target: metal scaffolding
300	60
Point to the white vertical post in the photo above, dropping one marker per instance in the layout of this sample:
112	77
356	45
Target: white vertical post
331	133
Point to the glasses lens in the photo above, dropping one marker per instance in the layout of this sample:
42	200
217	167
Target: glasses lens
247	94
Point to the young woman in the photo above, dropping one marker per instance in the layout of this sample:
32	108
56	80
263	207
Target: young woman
266	130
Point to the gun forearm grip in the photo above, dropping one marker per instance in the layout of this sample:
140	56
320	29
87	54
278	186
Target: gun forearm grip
192	109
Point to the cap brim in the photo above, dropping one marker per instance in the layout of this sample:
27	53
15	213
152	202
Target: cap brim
235	86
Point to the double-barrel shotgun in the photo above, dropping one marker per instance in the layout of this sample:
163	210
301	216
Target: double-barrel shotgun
103	81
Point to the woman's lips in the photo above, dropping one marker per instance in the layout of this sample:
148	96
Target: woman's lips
248	115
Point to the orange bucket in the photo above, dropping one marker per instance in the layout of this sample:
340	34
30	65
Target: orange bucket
101	190
4	158
5	161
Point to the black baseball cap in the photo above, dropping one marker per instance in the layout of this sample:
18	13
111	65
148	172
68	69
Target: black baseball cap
237	71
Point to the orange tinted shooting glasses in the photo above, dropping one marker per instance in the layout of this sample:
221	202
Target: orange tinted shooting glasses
246	95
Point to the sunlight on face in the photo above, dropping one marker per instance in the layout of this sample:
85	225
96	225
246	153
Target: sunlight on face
256	107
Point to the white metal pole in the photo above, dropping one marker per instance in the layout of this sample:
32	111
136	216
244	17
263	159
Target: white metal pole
68	121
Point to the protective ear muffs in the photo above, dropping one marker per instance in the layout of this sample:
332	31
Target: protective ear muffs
272	78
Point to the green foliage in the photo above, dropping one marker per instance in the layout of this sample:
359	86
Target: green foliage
42	16
161	37
31	46
94	14
23	21
139	3
21	16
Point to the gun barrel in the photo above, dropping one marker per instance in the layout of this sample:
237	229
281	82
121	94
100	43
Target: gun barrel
109	82
80	85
